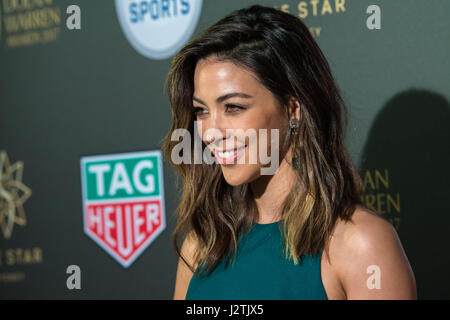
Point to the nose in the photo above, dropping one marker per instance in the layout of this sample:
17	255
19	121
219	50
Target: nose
213	129
209	138
214	136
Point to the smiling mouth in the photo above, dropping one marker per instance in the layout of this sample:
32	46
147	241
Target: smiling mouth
228	157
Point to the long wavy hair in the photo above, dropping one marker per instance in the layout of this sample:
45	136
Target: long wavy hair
279	49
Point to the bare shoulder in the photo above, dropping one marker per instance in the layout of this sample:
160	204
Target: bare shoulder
369	260
366	231
189	248
184	272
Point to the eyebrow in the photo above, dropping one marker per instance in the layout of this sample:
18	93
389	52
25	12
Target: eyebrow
225	97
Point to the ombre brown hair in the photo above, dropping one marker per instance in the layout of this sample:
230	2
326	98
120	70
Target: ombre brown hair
279	49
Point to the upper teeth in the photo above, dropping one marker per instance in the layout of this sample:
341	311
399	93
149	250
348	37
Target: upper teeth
225	154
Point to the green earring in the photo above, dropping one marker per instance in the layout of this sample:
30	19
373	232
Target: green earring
295	163
293	125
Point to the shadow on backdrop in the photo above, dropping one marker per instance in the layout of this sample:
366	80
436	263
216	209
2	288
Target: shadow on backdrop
405	167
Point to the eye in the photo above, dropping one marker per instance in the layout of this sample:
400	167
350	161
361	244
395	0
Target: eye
198	111
232	108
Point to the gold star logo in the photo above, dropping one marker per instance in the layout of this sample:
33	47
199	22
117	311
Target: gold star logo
13	194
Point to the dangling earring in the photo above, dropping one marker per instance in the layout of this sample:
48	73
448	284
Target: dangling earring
293	125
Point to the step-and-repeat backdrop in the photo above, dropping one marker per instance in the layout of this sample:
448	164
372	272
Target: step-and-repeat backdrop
86	200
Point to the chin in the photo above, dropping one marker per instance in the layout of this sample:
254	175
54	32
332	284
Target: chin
236	176
234	182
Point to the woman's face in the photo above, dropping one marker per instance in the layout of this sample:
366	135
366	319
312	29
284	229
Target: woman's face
228	102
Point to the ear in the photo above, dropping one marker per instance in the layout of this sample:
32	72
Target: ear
294	108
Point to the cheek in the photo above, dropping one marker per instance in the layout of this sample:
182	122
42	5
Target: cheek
267	117
267	126
199	128
270	137
256	121
205	133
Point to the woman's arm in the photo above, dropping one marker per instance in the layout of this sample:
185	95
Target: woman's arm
371	262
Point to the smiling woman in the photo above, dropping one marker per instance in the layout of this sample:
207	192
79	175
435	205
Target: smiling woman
236	113
259	69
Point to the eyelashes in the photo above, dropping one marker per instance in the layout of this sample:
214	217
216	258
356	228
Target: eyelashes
196	110
233	107
229	108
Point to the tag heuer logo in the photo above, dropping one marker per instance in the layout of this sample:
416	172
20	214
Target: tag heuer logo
123	202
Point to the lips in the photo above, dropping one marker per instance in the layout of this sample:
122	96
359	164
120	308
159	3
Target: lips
227	157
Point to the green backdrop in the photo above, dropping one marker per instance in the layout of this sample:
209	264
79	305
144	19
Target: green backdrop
75	93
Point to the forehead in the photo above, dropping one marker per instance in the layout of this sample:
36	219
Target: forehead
223	76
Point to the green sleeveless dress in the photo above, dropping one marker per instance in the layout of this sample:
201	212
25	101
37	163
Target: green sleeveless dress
261	272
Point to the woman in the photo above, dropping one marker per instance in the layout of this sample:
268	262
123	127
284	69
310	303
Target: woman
253	235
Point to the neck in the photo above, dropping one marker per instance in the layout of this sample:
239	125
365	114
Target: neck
270	192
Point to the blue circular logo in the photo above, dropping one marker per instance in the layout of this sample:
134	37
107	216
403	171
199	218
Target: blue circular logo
157	29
